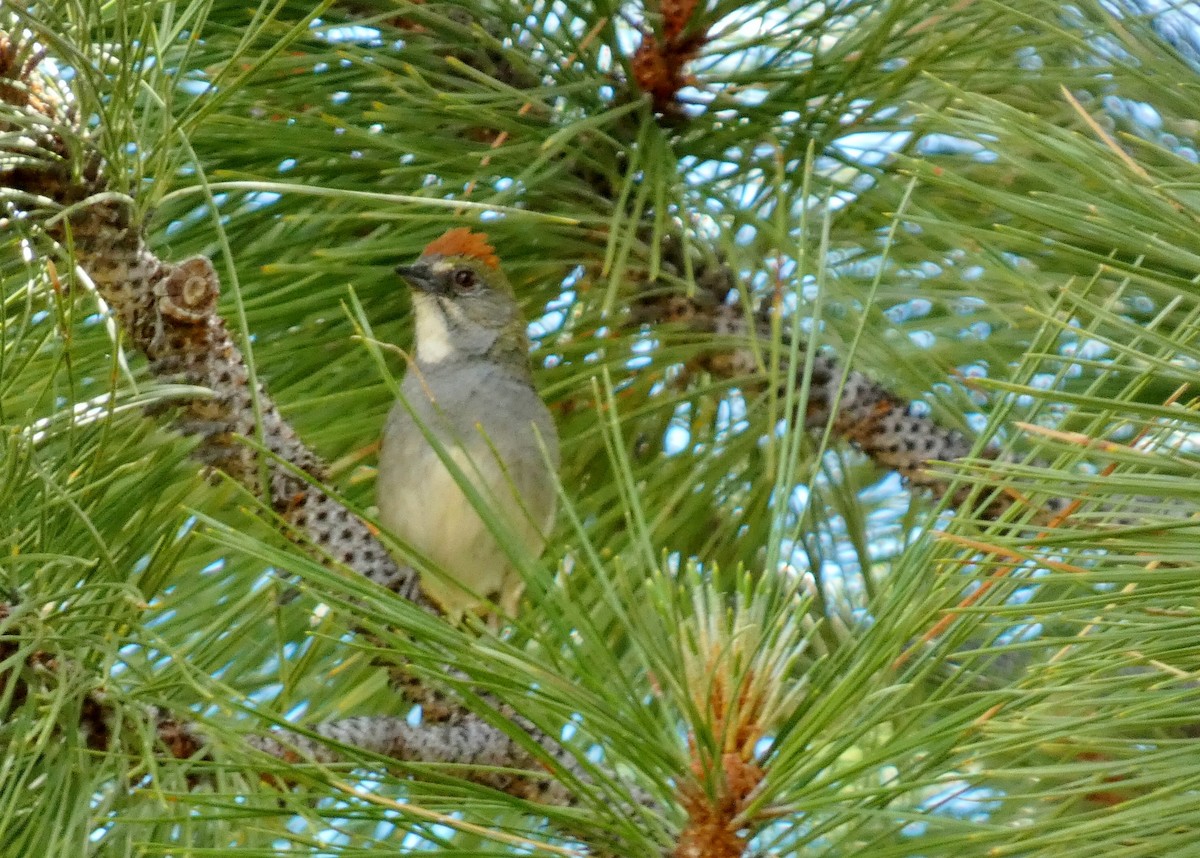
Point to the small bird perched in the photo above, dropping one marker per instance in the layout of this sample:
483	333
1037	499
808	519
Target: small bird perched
471	387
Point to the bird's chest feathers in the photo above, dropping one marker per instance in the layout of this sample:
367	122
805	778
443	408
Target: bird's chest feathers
471	404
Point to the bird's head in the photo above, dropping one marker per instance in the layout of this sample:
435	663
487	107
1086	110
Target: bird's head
464	305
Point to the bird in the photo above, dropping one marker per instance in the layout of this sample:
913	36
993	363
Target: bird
470	384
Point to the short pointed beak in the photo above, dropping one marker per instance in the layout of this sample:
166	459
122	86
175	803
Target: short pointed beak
419	275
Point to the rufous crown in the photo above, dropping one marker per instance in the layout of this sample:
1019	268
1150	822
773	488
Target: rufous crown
462	242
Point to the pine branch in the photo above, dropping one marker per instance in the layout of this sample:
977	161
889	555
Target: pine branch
886	428
463	740
168	312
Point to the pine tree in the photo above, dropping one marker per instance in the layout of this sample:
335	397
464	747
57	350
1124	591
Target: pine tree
869	328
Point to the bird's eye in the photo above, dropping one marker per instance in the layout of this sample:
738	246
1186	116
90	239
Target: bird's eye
464	278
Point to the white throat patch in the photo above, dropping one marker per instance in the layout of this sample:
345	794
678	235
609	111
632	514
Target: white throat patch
433	335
